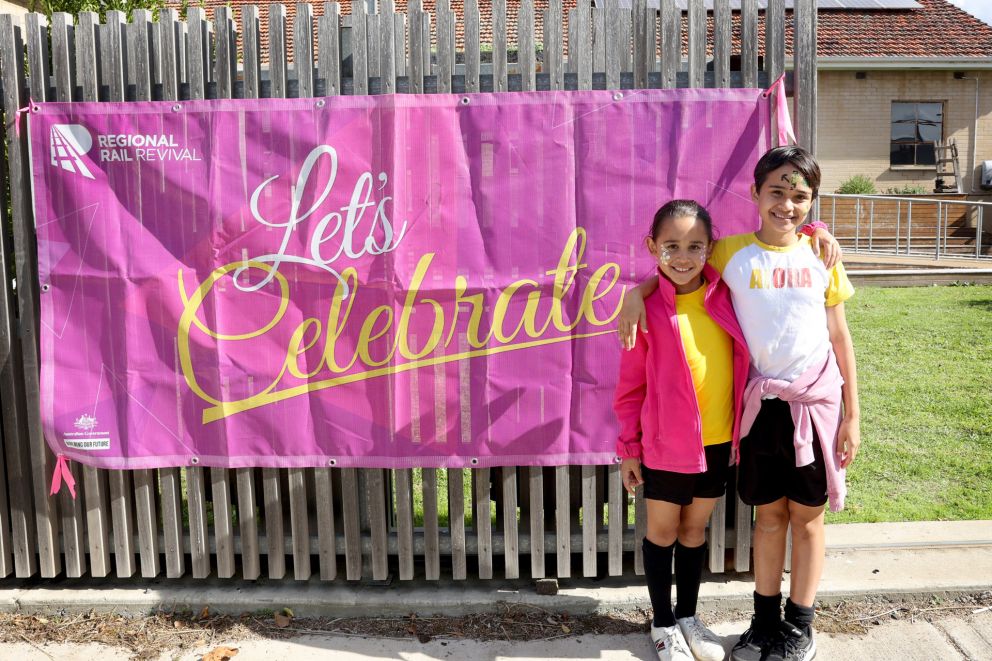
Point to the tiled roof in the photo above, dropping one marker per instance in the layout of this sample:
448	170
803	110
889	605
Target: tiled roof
937	29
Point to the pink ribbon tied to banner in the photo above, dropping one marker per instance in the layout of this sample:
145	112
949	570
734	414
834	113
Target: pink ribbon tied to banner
783	121
62	472
17	116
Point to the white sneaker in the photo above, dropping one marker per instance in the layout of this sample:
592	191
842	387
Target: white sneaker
705	644
670	644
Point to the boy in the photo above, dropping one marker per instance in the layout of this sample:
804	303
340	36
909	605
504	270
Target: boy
795	443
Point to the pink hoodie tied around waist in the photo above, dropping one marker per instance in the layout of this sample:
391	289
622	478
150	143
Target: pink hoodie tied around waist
815	401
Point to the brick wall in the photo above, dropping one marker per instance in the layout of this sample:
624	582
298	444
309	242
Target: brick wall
854	122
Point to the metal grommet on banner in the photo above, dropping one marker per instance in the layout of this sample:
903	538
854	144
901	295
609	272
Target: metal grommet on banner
176	108
475	461
194	460
320	103
45	287
35	108
617	460
332	462
465	101
617	96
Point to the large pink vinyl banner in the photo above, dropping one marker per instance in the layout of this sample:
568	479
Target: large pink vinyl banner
423	280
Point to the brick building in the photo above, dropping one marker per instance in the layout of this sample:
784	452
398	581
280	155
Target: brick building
891	81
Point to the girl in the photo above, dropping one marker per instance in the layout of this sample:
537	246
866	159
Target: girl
678	401
800	419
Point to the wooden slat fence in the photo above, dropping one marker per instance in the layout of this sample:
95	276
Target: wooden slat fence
248	522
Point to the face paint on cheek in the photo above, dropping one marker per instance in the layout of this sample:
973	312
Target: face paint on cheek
665	257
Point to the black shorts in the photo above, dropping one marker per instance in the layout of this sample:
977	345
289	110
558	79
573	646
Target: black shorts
767	470
681	488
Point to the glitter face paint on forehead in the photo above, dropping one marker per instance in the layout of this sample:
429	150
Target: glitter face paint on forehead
795	179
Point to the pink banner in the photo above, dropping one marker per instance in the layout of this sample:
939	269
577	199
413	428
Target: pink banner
359	281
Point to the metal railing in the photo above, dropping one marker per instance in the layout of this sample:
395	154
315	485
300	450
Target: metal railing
934	227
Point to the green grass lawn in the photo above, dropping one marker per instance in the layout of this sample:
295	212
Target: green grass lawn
925	376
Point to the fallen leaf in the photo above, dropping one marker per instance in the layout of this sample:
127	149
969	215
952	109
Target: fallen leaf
205	613
423	638
287	612
282	621
220	654
178	624
42	620
565	629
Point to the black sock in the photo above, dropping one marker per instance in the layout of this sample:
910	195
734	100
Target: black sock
767	610
688	574
800	616
658	572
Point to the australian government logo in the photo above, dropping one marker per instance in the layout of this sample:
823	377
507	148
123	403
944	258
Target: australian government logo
88	437
70	144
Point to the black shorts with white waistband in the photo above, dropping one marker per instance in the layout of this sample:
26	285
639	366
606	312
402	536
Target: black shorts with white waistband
681	488
768	471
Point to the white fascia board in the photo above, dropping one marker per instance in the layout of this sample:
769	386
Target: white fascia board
899	63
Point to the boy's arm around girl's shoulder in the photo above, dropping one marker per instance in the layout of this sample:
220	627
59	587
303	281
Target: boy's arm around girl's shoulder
628	400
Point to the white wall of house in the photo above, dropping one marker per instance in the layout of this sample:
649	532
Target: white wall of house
854	123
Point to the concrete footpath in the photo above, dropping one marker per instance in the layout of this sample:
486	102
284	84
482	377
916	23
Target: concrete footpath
912	559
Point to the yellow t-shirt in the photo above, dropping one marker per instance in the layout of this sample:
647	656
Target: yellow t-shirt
709	351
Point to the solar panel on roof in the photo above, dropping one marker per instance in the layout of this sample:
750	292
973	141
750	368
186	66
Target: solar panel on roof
789	4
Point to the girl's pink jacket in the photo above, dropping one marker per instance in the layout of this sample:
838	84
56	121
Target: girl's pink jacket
655	399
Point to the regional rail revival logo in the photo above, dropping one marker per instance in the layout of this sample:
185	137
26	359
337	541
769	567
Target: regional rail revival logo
67	143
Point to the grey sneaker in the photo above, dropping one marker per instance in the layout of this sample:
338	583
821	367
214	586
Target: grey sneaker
792	644
754	643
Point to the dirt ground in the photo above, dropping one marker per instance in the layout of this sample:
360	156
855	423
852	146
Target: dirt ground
162	632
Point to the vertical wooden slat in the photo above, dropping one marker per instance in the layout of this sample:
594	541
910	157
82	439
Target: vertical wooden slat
616	48
617	521
415	69
742	539
273	478
721	43
122	510
697	43
387	46
373	46
775	39
483	523
196	58
375	501
804	65
404	521
145	484
303	47
581	48
626	31
499	46
599	39
94	481
472	52
671	44
352	531
328	69
553	56
718	536
643	51
535	481
325	524
329	53
749	43
511	541
62	34
445	46
170	479
245	477
42	462
640	530
432	550
12	402
359	47
553	46
525	46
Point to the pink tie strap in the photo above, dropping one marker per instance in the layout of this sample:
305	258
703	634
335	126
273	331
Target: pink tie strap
62	472
17	116
783	121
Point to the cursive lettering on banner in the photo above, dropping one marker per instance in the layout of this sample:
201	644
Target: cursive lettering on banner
383	343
